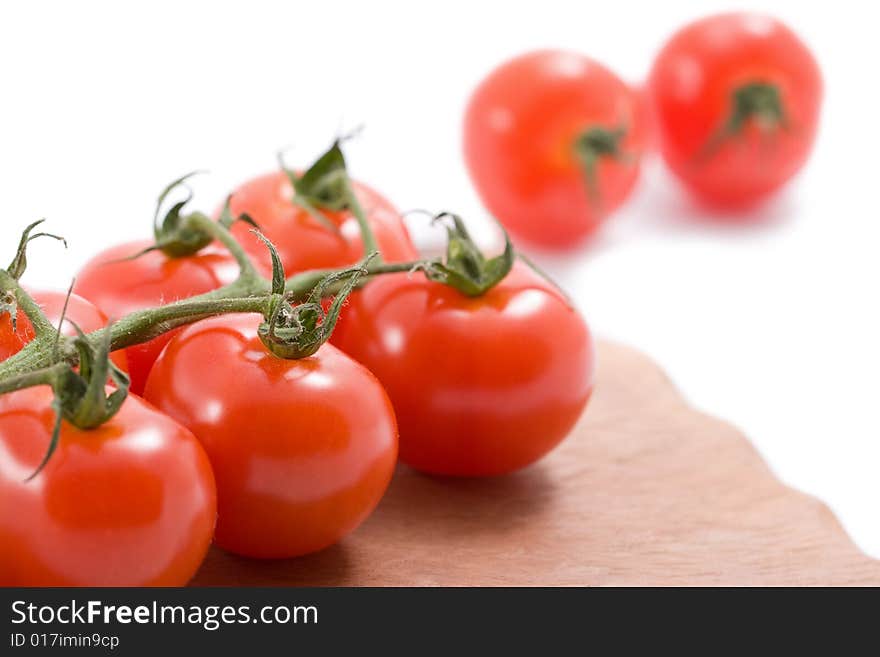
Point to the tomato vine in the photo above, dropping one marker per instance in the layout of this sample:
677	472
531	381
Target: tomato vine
295	321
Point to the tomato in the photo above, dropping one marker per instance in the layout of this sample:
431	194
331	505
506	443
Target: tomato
304	243
736	99
118	287
552	142
79	311
303	450
131	503
481	385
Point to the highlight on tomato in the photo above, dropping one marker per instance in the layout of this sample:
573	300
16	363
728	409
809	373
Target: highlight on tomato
302	439
487	364
552	141
736	100
312	218
98	489
179	263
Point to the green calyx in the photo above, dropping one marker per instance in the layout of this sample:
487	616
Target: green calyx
81	396
757	101
324	186
754	102
465	267
298	331
594	144
325	183
178	235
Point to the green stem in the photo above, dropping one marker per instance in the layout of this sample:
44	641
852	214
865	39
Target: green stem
222	235
367	236
35	355
41	324
45	376
299	286
316	214
248	294
145	325
243	295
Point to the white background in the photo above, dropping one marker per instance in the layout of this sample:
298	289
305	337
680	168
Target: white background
773	327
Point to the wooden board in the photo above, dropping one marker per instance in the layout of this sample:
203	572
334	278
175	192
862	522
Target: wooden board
646	491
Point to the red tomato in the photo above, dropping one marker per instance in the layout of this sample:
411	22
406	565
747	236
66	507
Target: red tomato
304	243
79	311
736	99
303	450
131	503
481	385
525	131
119	287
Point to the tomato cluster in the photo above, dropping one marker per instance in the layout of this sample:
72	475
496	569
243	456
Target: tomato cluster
247	427
553	140
288	446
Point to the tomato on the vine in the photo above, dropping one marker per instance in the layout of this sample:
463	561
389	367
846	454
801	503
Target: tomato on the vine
736	99
303	242
552	141
302	450
481	385
130	503
80	312
119	284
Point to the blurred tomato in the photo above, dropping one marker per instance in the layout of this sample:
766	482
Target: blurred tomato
736	99
552	141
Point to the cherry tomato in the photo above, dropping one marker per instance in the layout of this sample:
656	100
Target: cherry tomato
118	286
303	450
736	98
131	503
79	311
552	142
303	242
481	385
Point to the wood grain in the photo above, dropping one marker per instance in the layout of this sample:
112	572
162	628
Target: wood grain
646	491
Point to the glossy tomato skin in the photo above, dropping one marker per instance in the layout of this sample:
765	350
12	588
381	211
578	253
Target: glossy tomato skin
303	450
691	86
118	286
481	386
79	311
131	503
302	242
520	129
